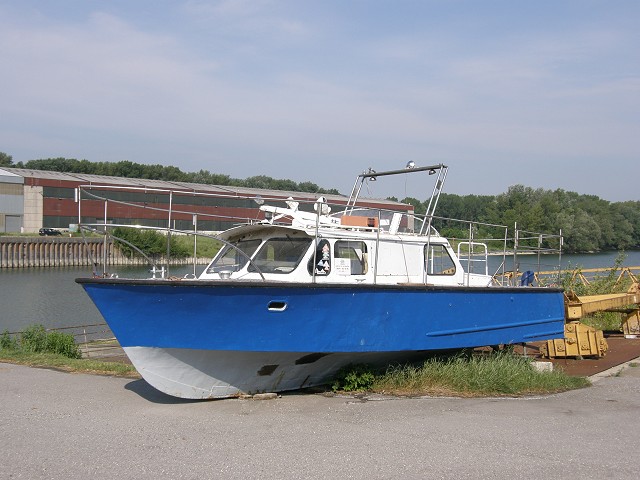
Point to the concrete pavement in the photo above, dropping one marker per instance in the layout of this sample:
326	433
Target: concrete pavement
57	425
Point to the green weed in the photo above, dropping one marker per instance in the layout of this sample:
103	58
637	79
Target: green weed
207	247
7	342
354	378
38	348
600	285
60	362
36	339
500	373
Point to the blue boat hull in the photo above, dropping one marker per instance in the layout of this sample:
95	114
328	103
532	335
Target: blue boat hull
295	321
214	316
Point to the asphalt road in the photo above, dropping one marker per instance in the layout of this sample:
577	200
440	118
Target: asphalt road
67	426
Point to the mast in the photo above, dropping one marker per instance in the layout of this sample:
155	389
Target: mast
439	169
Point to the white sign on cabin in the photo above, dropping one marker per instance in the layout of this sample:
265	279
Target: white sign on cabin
342	266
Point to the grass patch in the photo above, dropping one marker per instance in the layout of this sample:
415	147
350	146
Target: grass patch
36	347
74	365
36	339
605	321
154	244
206	247
495	374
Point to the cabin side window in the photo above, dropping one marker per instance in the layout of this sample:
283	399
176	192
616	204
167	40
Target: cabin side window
230	259
321	259
438	260
280	255
350	258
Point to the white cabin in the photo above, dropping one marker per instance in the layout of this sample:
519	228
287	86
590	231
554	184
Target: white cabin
348	249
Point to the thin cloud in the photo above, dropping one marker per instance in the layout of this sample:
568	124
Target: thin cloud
300	91
252	17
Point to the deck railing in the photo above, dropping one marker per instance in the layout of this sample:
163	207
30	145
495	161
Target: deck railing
518	253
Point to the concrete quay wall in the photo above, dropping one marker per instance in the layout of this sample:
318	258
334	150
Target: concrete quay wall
25	252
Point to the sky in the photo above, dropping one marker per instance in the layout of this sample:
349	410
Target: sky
544	94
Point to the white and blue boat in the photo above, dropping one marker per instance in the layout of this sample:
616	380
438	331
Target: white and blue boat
292	298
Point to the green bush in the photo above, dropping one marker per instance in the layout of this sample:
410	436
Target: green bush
600	285
207	246
152	243
354	378
7	342
62	344
36	339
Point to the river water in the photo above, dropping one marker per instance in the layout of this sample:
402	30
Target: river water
50	296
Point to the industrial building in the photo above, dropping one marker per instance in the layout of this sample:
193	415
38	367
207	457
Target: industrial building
35	199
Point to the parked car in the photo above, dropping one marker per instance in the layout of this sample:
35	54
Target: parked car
49	232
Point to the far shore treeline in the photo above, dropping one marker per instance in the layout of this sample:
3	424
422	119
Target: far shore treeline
588	223
129	169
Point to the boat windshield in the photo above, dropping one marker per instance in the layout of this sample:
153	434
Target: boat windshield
230	259
280	255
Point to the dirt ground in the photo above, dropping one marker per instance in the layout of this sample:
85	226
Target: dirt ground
621	350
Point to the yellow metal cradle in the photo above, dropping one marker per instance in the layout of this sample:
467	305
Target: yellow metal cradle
584	341
579	341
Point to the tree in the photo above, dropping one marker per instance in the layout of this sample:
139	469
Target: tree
588	223
6	160
128	169
152	243
419	208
